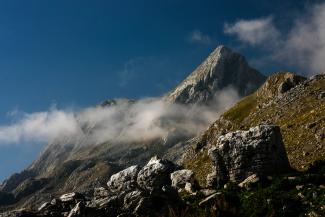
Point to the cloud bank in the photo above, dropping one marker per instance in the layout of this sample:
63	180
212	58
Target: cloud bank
121	121
303	45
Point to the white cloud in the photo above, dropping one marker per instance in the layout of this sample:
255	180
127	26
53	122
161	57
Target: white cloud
254	32
40	126
199	38
302	46
127	122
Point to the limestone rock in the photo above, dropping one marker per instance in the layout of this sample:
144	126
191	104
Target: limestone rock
240	154
250	180
71	197
77	210
124	180
155	174
181	177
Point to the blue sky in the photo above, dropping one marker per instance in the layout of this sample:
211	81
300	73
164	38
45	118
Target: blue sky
78	53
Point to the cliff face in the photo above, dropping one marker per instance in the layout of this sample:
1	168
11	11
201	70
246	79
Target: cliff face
73	167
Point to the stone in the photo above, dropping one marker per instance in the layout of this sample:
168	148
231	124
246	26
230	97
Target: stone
100	192
155	174
249	181
77	210
55	202
180	178
240	154
71	197
125	180
290	81
105	202
209	199
132	199
189	188
44	206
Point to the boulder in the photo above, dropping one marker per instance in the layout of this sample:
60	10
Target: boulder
155	174
239	154
179	178
125	180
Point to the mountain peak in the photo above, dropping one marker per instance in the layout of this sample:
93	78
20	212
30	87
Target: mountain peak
221	69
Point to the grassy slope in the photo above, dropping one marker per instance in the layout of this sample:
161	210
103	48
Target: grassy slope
300	113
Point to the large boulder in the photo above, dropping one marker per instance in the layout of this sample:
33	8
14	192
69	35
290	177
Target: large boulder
125	180
155	174
240	154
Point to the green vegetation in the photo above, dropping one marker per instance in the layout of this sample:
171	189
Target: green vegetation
242	109
297	194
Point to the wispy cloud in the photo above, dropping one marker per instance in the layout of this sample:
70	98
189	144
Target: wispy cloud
254	32
198	37
127	122
302	46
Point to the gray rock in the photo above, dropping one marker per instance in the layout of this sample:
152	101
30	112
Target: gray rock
44	206
240	154
124	180
104	202
249	181
77	210
179	178
155	174
209	199
100	192
189	188
71	197
221	69
290	81
132	199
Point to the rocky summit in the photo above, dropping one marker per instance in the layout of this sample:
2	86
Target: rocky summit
223	68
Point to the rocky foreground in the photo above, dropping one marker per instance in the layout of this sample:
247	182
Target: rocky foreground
251	177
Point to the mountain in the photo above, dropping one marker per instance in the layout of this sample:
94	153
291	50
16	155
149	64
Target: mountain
221	69
71	166
262	157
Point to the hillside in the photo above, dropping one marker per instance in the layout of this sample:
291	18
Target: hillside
294	103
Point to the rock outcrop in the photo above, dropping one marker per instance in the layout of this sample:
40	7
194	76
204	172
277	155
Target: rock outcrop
155	174
240	154
124	180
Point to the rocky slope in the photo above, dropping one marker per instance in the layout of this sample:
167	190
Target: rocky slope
69	166
294	103
250	168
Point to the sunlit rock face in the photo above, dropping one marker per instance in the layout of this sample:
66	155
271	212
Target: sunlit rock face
239	154
221	69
